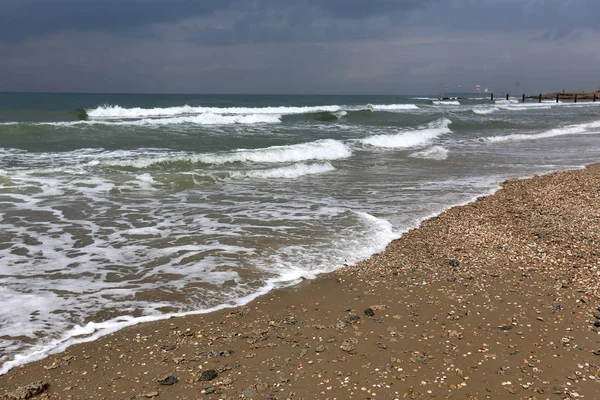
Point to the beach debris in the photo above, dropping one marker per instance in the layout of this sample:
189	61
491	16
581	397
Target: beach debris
168	379
28	391
369	312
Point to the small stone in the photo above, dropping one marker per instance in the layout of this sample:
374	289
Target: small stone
597	314
348	345
597	324
320	349
369	312
353	318
453	262
169	379
250	392
506	327
210	390
557	389
27	391
150	394
340	325
208	375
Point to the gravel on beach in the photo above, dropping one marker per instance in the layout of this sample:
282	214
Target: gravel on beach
496	299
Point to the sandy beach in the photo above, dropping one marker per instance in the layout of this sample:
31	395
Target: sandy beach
496	299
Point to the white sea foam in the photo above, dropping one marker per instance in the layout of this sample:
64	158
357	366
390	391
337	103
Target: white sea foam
326	149
323	150
434	153
201	119
446	102
484	110
410	138
582	129
393	107
289	172
292	267
137	112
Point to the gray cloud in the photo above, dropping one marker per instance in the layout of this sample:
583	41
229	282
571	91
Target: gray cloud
269	20
301	46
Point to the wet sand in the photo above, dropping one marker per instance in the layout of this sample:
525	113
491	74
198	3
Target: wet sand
492	300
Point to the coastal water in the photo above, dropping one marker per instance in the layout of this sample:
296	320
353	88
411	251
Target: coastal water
170	204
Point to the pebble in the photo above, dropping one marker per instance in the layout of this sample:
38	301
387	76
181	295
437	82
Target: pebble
27	391
208	375
169	379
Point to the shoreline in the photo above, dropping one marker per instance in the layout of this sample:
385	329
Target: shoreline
89	332
386	327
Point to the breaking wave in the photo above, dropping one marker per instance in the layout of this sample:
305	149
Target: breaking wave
583	129
410	138
432	153
289	172
323	150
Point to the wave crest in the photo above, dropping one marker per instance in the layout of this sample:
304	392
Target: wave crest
411	138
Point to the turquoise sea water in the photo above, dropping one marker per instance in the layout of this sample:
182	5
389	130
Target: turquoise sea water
161	204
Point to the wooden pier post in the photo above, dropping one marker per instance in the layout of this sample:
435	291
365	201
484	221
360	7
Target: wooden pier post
506	96
575	99
557	97
540	98
523	101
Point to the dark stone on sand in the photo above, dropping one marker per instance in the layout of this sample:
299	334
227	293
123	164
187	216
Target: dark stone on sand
169	379
168	347
369	312
208	375
27	391
353	318
583	300
271	396
597	314
506	327
210	390
597	324
453	262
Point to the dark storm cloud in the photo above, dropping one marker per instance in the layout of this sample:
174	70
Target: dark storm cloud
25	18
297	46
251	21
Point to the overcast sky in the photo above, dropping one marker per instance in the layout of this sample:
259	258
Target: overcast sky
299	46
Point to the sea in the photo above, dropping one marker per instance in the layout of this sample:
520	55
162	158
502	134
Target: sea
116	209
